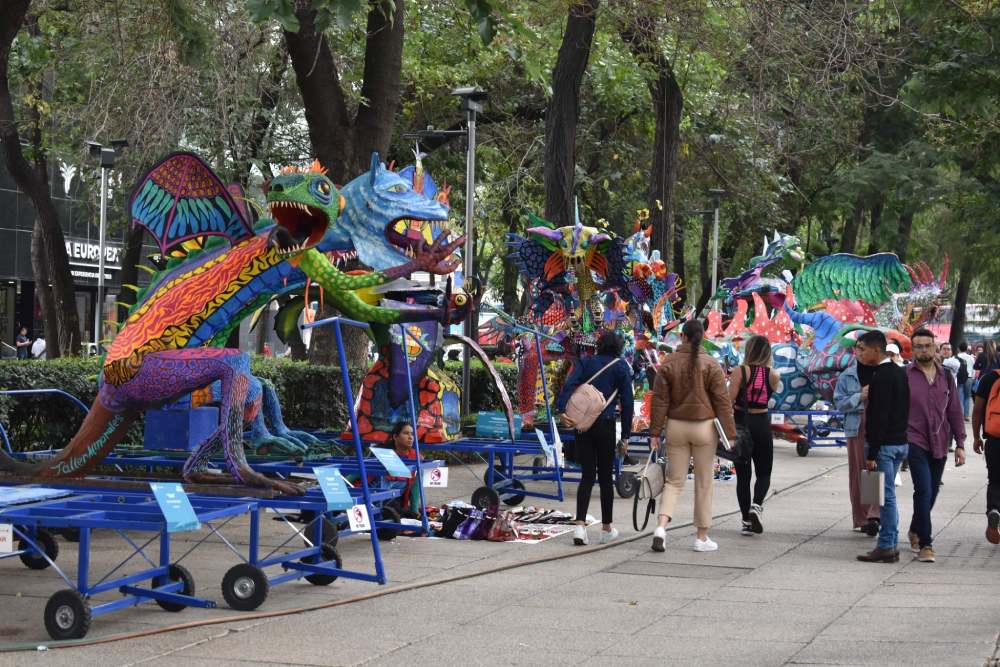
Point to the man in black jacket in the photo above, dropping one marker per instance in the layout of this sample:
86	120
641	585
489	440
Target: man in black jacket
888	411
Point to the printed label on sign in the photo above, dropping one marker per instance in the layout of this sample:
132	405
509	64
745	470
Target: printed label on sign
6	538
334	488
777	418
357	516
391	461
436	478
176	507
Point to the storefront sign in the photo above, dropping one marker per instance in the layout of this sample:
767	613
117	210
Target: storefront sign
89	254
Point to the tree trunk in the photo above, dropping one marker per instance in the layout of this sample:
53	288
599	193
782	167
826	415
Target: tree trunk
342	145
704	275
876	222
903	232
130	269
849	240
563	111
668	105
49	249
510	273
260	125
965	275
680	223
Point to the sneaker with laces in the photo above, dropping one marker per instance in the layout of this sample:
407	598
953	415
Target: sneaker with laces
746	529
659	539
756	514
926	555
705	545
580	536
993	526
609	535
914	542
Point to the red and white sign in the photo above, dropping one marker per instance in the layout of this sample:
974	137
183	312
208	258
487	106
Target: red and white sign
6	538
357	516
436	478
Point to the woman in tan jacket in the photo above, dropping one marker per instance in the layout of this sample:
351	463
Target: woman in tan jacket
688	393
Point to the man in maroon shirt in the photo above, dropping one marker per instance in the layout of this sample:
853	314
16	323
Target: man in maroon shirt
935	419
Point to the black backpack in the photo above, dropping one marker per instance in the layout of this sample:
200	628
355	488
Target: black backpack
963	372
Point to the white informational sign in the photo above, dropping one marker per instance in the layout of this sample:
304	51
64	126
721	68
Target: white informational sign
357	516
777	418
6	538
436	478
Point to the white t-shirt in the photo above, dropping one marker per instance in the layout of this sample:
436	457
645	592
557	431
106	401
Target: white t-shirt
953	365
970	361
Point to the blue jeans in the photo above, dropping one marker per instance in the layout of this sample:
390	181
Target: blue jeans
965	393
888	460
925	471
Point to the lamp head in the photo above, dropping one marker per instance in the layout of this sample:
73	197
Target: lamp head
94	148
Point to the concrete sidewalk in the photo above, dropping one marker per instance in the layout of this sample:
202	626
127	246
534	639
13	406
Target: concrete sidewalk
794	595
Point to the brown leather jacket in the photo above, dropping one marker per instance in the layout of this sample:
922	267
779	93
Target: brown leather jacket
680	394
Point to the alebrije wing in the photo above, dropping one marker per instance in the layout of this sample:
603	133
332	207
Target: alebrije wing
181	198
529	255
615	252
872	279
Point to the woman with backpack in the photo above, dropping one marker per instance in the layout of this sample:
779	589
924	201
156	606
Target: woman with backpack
688	395
610	374
750	389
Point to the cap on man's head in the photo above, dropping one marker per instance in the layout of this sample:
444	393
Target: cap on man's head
892	348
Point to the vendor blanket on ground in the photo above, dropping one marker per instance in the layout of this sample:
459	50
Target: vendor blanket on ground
531	525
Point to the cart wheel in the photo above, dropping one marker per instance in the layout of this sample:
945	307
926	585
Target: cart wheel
330	533
388	534
67	615
32	558
329	553
626	484
245	587
516	499
802	448
539	462
70	534
484	497
498	475
177	573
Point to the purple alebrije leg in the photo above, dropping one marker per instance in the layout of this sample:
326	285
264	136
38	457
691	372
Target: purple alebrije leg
167	375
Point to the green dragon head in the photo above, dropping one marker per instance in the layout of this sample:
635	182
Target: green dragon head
304	203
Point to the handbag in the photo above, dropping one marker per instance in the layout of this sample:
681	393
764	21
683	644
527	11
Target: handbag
651	480
739	447
504	528
453	517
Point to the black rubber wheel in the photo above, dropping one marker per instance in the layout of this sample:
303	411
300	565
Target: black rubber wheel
627	484
328	553
330	533
245	587
67	615
802	448
32	558
70	534
485	497
539	462
177	573
498	475
516	499
389	513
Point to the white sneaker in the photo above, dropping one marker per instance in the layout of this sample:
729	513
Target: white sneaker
899	480
659	539
705	545
609	535
756	514
580	536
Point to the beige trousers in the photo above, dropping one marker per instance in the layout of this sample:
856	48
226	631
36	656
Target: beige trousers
687	439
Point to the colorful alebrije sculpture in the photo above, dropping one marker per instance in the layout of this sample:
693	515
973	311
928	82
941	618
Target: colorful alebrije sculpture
159	354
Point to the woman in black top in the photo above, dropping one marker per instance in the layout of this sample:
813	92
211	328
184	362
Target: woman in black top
750	387
987	360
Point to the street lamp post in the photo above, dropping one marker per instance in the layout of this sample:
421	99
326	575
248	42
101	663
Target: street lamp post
473	98
717	194
107	157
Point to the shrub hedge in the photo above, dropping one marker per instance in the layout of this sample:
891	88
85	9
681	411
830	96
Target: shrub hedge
311	395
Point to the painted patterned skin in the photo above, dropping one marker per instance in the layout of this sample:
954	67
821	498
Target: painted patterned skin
194	301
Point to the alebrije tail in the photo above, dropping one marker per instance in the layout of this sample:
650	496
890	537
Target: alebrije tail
101	430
